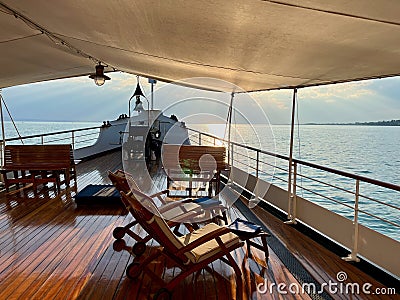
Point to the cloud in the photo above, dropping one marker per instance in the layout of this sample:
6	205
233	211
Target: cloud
331	93
121	81
277	99
80	99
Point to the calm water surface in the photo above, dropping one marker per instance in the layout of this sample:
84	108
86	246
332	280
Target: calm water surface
368	151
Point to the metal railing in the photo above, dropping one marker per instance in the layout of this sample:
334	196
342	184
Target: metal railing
82	137
340	192
88	135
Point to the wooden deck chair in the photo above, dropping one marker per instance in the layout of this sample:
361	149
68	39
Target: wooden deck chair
191	252
175	212
172	208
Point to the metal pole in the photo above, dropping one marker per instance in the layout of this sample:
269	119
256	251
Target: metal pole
2	119
290	188
2	131
254	201
353	255
152	95
294	195
152	82
230	123
257	163
232	155
73	139
148	113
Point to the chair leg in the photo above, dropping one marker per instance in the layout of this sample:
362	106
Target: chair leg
5	181
15	173
142	267
58	181
67	178
265	246
239	280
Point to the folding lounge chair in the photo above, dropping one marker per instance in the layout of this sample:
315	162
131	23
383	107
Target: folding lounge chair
175	212
191	252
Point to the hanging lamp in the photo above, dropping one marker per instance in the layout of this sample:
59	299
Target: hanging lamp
99	77
138	92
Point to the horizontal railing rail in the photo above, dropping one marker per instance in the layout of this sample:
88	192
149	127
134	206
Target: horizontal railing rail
89	134
305	163
50	134
352	201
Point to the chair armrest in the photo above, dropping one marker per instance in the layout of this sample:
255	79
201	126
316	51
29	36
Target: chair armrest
158	196
172	204
216	234
182	219
185	218
159	193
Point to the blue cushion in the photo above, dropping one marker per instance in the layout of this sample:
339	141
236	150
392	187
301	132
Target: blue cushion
207	202
99	194
240	226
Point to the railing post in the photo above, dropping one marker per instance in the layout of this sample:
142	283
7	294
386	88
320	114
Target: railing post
231	154
73	139
353	255
199	138
257	162
292	203
42	139
294	196
254	201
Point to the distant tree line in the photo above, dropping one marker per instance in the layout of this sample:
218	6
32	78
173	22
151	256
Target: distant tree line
380	123
377	123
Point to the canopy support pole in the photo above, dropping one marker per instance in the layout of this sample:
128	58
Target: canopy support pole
2	119
291	188
3	136
230	155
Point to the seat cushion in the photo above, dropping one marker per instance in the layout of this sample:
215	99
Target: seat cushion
183	212
209	248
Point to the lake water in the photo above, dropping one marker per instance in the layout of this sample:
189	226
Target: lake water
34	128
369	151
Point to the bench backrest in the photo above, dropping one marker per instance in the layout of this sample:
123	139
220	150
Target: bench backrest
39	157
193	157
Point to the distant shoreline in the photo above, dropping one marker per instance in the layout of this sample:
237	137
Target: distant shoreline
377	123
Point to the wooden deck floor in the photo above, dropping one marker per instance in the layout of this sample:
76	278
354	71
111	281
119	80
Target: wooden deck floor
51	249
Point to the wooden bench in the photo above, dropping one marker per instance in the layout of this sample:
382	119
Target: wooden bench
38	164
194	164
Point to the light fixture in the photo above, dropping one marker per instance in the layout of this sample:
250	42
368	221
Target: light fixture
99	77
157	134
138	92
138	105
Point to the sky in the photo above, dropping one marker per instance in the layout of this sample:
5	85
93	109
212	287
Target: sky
79	99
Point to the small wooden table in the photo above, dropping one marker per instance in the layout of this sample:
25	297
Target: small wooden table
247	232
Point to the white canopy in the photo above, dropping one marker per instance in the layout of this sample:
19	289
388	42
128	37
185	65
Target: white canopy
256	45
